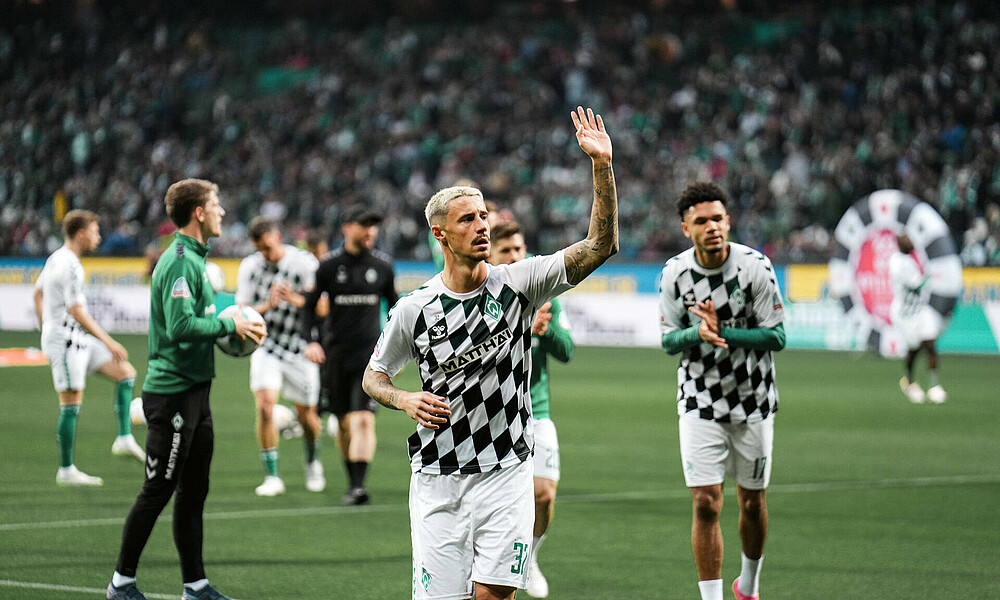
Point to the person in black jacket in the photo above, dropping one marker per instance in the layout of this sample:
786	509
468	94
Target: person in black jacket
355	278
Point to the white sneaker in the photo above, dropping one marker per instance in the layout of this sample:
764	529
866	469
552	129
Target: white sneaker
315	481
72	476
538	587
125	445
913	390
272	486
937	395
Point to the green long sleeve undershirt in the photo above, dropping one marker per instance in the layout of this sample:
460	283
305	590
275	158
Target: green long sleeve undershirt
758	338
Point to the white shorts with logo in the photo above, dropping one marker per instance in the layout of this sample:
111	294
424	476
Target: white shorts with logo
470	528
711	450
297	378
918	328
546	449
70	366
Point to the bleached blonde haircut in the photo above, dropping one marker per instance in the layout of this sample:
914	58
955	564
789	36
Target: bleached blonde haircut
437	207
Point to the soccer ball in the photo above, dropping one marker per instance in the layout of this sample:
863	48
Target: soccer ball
215	276
232	344
135	412
286	422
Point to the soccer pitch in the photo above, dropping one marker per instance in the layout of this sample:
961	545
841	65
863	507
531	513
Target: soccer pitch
871	497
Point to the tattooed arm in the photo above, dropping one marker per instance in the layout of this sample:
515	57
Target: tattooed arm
423	407
583	257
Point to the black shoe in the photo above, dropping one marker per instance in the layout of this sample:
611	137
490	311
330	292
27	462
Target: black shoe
356	496
125	592
206	593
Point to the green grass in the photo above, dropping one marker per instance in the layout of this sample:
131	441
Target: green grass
871	497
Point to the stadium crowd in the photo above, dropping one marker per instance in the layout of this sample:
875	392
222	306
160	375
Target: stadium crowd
796	116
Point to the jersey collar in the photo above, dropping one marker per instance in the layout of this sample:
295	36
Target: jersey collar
193	244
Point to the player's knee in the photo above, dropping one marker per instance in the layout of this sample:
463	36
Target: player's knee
753	506
707	505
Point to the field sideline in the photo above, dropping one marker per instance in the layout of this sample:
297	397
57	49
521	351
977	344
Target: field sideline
871	497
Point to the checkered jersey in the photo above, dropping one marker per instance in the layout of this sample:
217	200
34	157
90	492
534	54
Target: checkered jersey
61	282
284	327
734	385
474	349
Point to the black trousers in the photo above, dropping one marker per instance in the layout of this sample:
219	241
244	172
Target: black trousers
179	448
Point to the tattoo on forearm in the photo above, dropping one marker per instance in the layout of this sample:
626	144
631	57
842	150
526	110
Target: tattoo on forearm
583	257
380	388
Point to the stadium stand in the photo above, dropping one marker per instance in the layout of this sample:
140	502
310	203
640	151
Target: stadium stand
797	115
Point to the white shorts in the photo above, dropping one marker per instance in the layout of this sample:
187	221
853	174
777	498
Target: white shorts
470	528
297	378
711	450
546	449
70	366
919	328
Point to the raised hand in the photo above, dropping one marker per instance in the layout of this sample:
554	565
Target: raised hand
708	329
542	318
590	134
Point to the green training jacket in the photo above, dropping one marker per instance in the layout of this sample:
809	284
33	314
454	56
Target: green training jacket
182	323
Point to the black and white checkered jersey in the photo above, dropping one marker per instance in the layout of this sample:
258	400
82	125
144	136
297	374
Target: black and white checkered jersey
734	385
284	324
473	349
61	282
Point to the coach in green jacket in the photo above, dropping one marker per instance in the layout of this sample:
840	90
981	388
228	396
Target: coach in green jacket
179	444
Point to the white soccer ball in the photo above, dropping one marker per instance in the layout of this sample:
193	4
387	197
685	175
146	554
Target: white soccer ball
135	412
286	422
333	426
216	277
232	344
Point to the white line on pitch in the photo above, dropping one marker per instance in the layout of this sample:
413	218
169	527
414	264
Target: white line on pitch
778	488
69	588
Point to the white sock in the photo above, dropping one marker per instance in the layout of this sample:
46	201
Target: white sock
119	580
750	575
711	589
536	542
194	586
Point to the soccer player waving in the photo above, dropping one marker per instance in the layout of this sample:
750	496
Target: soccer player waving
469	328
721	309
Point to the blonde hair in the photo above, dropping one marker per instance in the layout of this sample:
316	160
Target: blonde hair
437	206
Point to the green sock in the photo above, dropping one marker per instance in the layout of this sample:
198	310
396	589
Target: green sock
311	449
934	377
66	433
123	402
270	460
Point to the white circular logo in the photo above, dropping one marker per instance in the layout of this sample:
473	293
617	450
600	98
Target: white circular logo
859	269
371	275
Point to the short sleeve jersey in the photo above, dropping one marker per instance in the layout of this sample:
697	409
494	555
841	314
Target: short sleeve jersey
297	268
906	277
61	282
734	385
474	349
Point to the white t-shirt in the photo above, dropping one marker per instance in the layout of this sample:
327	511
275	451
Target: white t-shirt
909	294
61	282
474	349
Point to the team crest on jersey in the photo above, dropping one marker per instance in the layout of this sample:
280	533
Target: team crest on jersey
738	299
689	300
492	308
371	275
180	289
438	332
